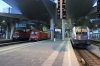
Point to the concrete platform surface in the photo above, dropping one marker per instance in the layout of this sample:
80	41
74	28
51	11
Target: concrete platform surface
4	39
41	53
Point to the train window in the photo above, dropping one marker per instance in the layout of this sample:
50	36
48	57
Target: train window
85	33
78	32
36	33
33	33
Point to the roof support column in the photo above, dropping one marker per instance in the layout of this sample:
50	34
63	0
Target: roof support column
12	30
7	31
63	28
52	28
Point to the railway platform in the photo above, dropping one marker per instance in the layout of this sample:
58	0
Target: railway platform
41	53
5	40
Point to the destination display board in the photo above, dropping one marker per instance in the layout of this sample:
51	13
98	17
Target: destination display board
61	9
98	9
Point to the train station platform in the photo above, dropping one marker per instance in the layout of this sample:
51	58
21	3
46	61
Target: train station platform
5	40
41	53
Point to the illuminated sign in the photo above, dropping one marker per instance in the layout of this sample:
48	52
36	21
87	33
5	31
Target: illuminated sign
20	25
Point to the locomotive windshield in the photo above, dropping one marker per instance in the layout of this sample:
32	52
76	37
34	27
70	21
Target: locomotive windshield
34	33
80	30
85	33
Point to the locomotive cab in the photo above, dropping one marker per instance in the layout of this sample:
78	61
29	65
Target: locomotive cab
80	36
35	35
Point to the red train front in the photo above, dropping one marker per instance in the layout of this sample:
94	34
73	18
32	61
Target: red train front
38	35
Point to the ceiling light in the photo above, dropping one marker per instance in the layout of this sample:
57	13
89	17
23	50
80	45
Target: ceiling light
96	25
3	21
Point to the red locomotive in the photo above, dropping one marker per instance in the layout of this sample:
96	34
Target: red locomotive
20	35
38	35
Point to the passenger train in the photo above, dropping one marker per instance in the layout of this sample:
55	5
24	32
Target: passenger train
20	35
80	36
38	35
32	35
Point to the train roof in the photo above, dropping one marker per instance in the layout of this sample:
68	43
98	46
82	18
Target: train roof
81	26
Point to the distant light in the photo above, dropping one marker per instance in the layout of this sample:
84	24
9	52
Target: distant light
86	17
58	30
95	4
96	25
3	21
65	23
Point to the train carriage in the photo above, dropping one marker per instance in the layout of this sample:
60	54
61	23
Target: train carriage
35	35
38	35
20	35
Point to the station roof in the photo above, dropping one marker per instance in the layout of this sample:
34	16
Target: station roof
45	9
13	15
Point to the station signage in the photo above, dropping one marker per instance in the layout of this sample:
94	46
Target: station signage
20	25
61	9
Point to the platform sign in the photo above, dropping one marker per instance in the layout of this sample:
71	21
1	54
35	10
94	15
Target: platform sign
20	25
61	9
98	9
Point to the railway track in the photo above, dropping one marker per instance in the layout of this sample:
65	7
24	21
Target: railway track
95	42
87	58
12	43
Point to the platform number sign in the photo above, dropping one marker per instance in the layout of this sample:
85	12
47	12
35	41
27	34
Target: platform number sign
61	9
98	9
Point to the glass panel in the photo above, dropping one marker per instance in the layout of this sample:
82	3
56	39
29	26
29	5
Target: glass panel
84	33
34	33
